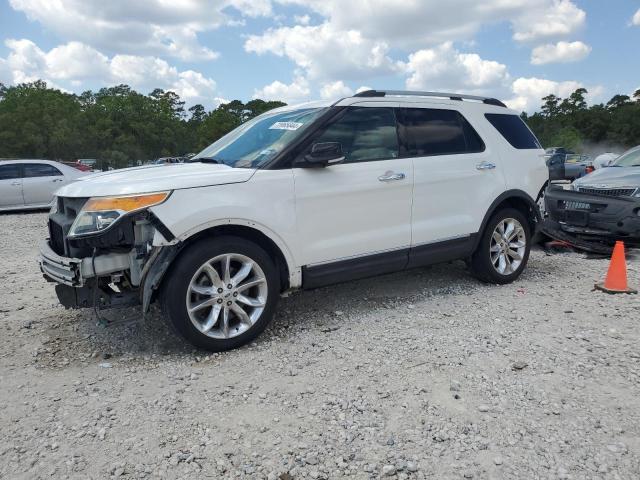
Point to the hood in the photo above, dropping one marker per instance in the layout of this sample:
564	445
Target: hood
155	178
611	177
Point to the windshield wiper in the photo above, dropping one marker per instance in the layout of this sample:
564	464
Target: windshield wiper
207	160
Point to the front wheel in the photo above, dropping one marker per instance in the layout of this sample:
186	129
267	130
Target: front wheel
221	293
503	251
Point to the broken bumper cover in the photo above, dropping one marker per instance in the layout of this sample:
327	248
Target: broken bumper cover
74	271
586	215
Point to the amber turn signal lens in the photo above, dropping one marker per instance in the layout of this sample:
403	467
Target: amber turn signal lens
124	204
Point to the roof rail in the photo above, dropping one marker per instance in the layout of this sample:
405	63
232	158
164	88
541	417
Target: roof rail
451	96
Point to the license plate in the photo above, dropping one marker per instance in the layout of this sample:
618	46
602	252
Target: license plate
577	218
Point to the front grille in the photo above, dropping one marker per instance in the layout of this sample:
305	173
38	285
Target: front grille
608	192
60	223
56	237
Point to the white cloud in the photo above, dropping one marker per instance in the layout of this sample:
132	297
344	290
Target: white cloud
445	68
295	92
302	19
79	63
6	76
561	52
76	60
420	23
560	19
335	90
323	52
142	27
528	92
636	18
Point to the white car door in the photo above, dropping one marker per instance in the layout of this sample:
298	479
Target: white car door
40	182
11	185
456	178
359	208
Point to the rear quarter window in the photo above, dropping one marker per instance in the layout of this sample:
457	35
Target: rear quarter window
514	130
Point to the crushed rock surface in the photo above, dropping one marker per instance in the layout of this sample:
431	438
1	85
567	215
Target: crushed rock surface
421	374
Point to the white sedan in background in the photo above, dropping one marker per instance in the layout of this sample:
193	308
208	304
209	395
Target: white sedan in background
31	184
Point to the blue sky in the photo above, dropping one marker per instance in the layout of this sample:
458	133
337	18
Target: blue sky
210	51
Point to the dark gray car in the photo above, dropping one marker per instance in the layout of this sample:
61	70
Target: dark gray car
601	207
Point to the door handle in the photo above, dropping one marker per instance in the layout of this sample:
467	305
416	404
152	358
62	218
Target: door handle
15	183
391	176
485	166
56	180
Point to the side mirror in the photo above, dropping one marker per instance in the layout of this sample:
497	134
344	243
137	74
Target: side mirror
324	154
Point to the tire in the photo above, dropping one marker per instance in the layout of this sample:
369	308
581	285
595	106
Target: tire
482	264
197	279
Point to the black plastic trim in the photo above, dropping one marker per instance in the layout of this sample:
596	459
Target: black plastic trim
444	251
354	268
161	227
387	262
512	194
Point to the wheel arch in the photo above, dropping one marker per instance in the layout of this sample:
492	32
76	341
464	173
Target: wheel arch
518	199
275	248
290	274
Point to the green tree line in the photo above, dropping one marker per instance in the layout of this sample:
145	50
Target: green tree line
116	125
569	122
120	126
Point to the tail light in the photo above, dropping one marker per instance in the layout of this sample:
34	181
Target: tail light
589	169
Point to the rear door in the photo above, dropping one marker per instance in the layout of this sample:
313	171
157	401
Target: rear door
456	177
40	182
11	185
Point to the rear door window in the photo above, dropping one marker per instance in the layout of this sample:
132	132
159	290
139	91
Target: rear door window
40	170
10	172
514	130
427	131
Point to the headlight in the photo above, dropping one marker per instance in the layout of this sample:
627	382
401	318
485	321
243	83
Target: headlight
100	213
54	206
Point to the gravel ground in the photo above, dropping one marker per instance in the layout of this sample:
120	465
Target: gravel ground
422	374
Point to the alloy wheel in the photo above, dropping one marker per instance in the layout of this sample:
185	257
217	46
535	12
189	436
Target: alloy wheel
226	296
508	246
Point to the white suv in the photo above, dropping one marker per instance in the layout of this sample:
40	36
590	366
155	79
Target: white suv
301	197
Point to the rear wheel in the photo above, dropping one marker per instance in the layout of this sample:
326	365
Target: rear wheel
504	248
221	293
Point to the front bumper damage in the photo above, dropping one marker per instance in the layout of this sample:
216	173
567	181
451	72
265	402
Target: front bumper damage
590	221
74	272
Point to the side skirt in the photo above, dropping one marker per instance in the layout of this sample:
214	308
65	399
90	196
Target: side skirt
388	262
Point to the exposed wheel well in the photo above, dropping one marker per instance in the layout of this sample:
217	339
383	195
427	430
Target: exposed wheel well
517	199
521	205
255	236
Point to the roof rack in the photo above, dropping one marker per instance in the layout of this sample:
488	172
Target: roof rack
451	96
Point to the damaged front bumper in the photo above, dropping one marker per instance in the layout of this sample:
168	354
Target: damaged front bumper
74	272
585	217
78	285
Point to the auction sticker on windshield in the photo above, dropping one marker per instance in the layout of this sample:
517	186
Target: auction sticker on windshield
285	126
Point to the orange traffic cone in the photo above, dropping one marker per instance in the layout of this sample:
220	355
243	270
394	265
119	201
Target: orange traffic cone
616	279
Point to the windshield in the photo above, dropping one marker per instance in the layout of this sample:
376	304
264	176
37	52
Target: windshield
259	140
629	159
